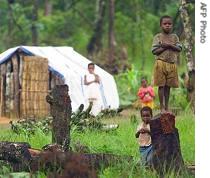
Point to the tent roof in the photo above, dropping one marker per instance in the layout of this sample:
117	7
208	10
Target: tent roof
71	66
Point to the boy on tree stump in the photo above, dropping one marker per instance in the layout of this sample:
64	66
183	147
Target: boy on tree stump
165	47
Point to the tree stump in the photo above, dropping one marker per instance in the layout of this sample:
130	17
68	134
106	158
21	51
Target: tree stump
16	154
166	144
60	109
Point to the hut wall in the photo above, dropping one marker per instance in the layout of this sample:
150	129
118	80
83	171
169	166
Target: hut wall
16	86
2	89
34	88
24	83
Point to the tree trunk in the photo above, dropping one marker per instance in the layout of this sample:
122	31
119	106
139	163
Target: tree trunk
95	43
48	8
112	42
10	24
34	30
141	40
188	46
60	108
166	144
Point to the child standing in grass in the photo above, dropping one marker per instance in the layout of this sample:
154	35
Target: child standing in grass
166	48
92	82
144	137
146	94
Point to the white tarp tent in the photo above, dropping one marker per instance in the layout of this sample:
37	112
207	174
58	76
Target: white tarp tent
72	66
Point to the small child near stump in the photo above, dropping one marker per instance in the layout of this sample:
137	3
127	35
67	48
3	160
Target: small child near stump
144	136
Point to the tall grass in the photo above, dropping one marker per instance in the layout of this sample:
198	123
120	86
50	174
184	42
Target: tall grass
120	142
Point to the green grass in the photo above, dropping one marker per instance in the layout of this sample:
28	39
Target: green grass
121	142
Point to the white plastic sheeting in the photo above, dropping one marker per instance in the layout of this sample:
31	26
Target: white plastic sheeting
72	66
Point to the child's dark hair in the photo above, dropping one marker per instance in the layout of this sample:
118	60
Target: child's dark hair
165	17
146	108
91	64
143	78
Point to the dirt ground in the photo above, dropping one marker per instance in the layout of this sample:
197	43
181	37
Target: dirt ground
4	122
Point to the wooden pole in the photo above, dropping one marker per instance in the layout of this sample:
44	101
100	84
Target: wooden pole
8	89
60	108
3	89
16	87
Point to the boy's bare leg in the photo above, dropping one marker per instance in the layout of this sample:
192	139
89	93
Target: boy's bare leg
161	98
167	94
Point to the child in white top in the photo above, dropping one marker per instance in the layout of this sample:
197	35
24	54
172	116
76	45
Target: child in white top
92	82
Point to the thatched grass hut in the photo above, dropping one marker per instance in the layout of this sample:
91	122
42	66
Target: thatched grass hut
24	83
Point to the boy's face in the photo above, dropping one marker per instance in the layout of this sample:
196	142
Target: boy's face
144	83
166	25
146	116
91	68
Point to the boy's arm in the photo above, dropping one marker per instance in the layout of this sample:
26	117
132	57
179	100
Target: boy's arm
142	130
156	46
138	130
173	47
158	50
86	82
137	134
141	94
151	92
97	79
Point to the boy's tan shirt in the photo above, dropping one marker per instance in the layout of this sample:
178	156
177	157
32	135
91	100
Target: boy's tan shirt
168	55
144	138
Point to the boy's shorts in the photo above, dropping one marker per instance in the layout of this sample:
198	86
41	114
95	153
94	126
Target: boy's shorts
146	153
165	74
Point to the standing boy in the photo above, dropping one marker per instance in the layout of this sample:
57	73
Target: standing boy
144	136
166	48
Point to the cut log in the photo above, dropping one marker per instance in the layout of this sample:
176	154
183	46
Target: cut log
21	157
60	109
52	157
166	144
17	154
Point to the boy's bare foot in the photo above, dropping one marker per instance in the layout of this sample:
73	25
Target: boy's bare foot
162	111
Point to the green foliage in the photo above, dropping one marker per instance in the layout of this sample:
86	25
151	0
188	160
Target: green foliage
4	168
28	127
178	98
72	23
129	82
121	142
80	120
